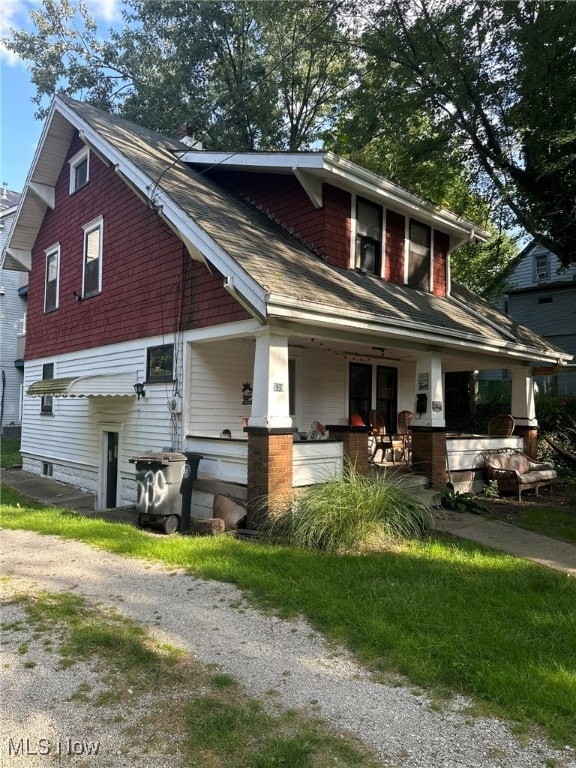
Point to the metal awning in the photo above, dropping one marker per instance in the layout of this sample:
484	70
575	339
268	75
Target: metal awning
98	385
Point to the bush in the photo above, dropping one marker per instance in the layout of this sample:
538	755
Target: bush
352	513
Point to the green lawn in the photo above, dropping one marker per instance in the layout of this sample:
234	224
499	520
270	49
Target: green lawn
449	616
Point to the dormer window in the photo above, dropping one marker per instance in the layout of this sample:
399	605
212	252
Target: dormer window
368	254
541	267
79	170
419	256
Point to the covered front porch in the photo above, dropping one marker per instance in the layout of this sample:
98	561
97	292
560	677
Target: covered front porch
253	394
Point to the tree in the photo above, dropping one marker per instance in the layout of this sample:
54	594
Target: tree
246	75
498	80
410	149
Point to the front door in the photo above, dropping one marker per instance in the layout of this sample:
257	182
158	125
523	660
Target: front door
360	390
386	396
111	490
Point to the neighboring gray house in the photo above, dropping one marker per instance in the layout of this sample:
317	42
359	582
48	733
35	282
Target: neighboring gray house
541	294
13	290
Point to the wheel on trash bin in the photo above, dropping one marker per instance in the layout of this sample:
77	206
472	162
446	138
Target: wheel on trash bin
170	523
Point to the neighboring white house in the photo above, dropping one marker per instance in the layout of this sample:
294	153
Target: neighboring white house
12	319
540	293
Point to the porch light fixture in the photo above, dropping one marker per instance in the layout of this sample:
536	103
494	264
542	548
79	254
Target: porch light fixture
139	389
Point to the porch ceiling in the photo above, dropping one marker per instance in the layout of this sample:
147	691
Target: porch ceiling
385	351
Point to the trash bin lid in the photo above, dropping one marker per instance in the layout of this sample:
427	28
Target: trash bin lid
159	457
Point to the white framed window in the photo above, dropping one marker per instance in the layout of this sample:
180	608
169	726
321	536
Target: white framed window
541	267
92	270
46	400
79	170
52	278
368	251
419	264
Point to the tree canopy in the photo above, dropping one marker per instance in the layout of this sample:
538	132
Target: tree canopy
498	81
467	102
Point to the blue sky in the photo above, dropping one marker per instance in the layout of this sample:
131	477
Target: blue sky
19	130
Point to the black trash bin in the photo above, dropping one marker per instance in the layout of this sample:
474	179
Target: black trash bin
165	482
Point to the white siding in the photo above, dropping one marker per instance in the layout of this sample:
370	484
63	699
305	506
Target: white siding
522	275
12	312
217	371
324	385
71	437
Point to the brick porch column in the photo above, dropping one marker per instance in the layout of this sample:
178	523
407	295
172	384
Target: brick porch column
429	453
355	440
530	436
269	470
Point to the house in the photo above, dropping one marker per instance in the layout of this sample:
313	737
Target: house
538	292
12	316
175	293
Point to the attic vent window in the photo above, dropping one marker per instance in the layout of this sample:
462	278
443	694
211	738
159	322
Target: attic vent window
79	170
545	300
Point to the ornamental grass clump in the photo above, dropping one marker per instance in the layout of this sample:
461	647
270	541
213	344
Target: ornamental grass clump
353	513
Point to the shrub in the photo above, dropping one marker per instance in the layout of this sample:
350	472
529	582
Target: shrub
353	513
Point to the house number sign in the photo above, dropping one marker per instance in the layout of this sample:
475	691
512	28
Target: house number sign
278	386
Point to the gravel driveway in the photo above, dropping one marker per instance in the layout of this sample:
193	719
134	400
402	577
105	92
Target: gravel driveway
213	622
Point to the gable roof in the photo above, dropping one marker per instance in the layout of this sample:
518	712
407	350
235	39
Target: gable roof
268	270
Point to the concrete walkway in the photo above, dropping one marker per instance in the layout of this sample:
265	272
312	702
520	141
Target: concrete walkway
491	533
509	538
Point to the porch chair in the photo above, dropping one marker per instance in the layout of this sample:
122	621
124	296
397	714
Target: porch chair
501	426
382	441
405	419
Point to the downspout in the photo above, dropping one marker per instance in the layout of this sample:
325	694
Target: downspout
469	239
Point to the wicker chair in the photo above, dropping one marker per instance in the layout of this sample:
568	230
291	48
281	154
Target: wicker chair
405	419
382	440
502	425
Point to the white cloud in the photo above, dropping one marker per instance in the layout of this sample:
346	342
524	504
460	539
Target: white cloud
107	10
13	13
16	13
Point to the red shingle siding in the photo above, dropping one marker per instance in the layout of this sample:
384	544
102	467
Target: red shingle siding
441	247
212	304
146	270
395	231
282	198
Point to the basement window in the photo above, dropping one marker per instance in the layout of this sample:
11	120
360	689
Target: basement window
47	469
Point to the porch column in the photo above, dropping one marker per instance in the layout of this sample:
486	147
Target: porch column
270	439
355	445
429	424
524	409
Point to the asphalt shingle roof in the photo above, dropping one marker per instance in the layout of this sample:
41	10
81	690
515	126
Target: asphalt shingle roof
280	263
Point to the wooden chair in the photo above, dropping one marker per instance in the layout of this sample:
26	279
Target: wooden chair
382	441
405	419
501	425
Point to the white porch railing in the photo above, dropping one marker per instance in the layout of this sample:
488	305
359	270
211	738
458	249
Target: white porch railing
227	460
464	457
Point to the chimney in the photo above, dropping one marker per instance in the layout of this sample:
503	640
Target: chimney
5	189
186	136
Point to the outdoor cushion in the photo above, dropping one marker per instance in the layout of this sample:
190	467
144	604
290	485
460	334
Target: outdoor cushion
537	477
